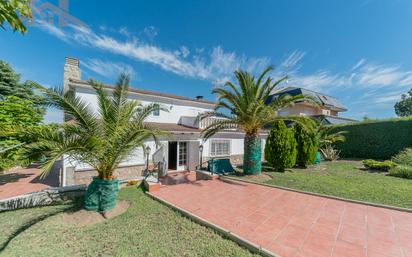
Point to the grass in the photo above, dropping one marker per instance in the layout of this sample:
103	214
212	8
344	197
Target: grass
344	179
147	228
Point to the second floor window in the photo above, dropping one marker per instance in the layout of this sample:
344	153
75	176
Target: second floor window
156	112
219	147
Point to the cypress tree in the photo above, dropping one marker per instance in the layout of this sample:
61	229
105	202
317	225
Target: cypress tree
280	149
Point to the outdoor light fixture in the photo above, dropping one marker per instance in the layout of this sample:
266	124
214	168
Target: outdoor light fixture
147	152
201	156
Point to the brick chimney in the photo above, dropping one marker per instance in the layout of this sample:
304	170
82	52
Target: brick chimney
71	71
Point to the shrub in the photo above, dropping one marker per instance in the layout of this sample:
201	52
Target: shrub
404	157
375	139
377	165
307	145
329	153
401	171
280	148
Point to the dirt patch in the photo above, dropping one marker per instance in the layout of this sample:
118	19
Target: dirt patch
263	177
83	217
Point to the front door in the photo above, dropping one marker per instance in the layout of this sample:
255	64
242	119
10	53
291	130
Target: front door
172	155
182	156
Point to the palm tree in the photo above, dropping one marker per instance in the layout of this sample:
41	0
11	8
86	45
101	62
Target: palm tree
326	137
249	107
100	139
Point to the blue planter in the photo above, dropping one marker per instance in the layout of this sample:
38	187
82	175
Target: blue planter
318	157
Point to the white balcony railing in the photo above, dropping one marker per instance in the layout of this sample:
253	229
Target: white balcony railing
210	120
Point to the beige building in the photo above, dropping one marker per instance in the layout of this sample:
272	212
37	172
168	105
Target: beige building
329	107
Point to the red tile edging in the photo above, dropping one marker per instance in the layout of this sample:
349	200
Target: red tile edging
223	178
224	232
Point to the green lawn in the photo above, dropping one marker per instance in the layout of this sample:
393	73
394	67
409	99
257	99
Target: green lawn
344	179
147	228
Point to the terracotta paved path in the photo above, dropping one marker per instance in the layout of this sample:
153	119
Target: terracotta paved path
26	180
295	224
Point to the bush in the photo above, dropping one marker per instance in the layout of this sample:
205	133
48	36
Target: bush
401	171
280	148
375	139
307	145
376	165
404	157
329	153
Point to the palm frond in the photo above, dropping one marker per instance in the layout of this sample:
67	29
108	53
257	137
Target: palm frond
72	106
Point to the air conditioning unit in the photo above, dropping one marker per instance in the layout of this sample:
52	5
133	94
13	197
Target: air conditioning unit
326	112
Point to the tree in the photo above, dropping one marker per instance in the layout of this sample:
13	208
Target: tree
13	12
249	107
307	142
10	85
280	148
16	115
15	111
102	140
326	138
404	106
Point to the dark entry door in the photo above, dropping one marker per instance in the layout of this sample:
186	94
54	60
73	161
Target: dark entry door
172	155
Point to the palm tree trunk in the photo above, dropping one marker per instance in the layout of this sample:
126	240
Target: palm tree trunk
252	158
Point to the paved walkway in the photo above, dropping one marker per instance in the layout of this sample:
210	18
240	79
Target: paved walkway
26	180
295	224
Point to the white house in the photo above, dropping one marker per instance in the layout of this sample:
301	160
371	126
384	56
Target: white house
181	149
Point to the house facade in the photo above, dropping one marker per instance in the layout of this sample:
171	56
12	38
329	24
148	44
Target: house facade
328	109
181	150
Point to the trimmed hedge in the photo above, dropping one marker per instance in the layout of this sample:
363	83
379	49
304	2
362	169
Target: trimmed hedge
375	139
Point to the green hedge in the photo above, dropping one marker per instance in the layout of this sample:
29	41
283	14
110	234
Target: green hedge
380	139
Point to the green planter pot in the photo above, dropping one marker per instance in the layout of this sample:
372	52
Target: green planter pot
101	194
318	158
252	159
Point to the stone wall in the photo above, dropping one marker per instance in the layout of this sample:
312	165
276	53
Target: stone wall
86	176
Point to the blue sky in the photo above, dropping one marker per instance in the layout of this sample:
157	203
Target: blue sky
355	50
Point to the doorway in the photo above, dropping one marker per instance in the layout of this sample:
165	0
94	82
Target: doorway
172	156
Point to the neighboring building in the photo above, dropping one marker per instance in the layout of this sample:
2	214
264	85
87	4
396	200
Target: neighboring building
181	150
328	109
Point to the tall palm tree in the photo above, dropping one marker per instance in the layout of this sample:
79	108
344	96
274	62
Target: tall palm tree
249	107
101	139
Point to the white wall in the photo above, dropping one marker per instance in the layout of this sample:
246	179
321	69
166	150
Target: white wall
236	146
176	108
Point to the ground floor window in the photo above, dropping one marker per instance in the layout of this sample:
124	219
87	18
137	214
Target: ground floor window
219	147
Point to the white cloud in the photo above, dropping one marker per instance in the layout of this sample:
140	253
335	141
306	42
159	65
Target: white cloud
150	32
293	59
108	69
53	30
125	32
386	99
366	86
359	63
216	67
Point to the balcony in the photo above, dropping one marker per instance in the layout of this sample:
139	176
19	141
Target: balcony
202	124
